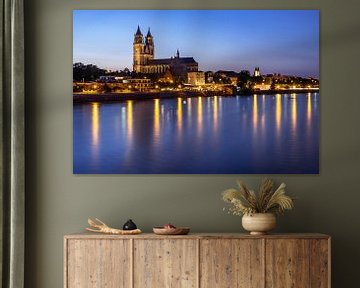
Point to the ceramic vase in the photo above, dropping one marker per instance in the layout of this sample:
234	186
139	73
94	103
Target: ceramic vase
259	223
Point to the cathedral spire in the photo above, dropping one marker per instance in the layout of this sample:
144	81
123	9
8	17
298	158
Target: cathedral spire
149	44
138	32
148	33
138	37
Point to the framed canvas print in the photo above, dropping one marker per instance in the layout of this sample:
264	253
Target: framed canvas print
196	91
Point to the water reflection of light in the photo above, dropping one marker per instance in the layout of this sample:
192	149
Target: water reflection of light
255	112
262	122
95	123
200	114
263	111
220	105
156	118
129	119
189	106
294	112
123	118
309	108
261	116
216	113
179	114
208	105
278	112
188	113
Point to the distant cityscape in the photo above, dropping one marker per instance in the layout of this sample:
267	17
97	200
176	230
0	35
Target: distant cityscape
179	74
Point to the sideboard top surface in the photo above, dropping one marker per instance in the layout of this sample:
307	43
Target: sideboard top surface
87	235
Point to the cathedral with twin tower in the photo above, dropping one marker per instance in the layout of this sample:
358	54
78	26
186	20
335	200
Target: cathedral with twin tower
144	61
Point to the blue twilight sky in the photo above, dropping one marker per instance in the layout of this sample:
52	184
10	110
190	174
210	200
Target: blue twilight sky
281	41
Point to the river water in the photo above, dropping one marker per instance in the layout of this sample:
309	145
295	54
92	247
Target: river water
258	134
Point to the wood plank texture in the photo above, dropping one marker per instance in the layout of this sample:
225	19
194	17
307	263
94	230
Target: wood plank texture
319	263
98	264
287	263
231	263
166	263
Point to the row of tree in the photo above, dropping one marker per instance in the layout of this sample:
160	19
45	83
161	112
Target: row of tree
89	72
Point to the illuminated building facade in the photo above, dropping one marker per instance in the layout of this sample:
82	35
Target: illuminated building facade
144	61
257	72
196	78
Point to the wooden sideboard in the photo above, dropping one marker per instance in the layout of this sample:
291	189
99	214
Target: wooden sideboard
197	260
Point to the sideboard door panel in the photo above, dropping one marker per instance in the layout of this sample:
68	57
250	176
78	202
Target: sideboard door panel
98	263
319	263
167	263
287	263
231	263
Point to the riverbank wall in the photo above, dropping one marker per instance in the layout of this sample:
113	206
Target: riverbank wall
108	97
115	97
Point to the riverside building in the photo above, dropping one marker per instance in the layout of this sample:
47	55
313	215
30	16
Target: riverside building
144	58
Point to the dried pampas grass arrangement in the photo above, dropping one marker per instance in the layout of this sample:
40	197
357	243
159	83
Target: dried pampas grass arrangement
268	200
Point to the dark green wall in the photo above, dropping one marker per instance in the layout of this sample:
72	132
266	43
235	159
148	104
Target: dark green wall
59	202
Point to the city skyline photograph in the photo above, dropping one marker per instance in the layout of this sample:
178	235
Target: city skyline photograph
196	92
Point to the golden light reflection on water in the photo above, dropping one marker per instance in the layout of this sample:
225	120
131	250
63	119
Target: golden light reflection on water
200	114
262	114
189	107
255	112
278	112
179	114
95	107
309	108
216	113
157	118
290	125
294	111
129	119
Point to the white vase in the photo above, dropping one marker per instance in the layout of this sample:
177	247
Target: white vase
259	223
